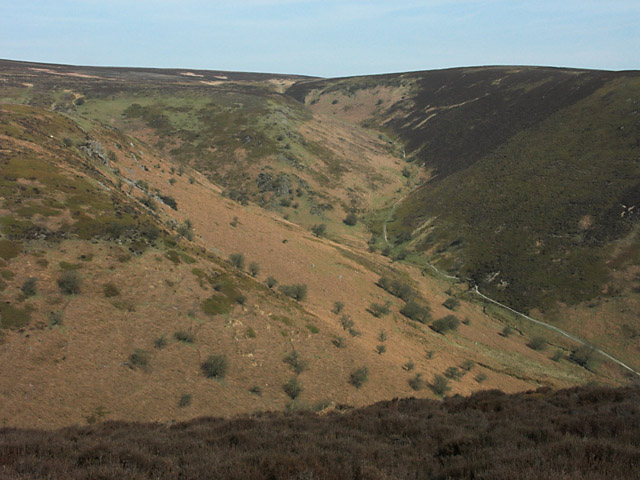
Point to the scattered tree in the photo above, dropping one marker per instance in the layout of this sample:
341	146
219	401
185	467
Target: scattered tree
293	388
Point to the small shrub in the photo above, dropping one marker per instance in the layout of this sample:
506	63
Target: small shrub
69	282
382	336
241	299
445	324
359	377
481	377
172	181
319	229
354	333
467	365
186	337
215	366
429	354
451	303
585	357
185	400
169	201
537	343
161	342
250	333
254	269
381	349
397	288
346	322
256	390
506	331
557	356
416	312
139	358
110	290
237	260
297	291
351	219
339	342
312	328
29	287
337	307
271	282
409	366
55	318
297	364
378	310
417	382
293	388
453	373
234	222
466	321
440	385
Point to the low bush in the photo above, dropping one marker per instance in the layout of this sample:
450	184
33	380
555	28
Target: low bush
256	390
453	373
451	303
29	287
378	309
297	291
254	269
506	331
397	288
339	342
417	382
237	260
69	282
445	324
295	362
537	343
409	366
440	385
293	388
585	356
337	307
351	219
215	366
160	342
139	358
382	336
185	400
381	349
416	312
183	336
271	282
110	290
319	229
359	377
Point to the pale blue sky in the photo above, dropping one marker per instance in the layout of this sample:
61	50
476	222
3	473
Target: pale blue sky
324	38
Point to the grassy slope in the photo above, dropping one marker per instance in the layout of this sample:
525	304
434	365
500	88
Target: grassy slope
534	183
64	209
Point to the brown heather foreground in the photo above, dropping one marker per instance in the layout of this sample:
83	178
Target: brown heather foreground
579	433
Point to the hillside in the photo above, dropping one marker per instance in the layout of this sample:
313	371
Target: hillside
533	186
572	434
163	256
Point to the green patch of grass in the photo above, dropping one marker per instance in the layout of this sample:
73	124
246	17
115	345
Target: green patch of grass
216	305
14	317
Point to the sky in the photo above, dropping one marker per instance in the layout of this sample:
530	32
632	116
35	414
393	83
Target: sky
327	38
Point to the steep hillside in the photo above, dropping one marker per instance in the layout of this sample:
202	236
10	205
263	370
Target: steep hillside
145	281
587	433
533	187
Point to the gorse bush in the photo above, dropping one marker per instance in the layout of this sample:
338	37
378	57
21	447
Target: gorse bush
297	291
397	288
445	324
451	303
293	388
416	312
297	364
417	382
440	385
29	287
537	343
215	366
110	290
237	260
69	282
359	377
254	269
378	309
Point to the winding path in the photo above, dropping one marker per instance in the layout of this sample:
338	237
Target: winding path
527	317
